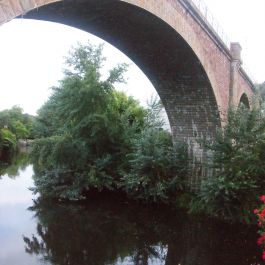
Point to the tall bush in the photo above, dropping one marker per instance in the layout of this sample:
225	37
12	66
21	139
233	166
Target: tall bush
94	137
238	163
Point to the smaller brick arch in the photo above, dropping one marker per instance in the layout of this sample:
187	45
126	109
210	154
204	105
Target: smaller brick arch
244	101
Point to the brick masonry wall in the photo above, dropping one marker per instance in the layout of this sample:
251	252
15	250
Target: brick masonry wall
215	61
187	64
242	87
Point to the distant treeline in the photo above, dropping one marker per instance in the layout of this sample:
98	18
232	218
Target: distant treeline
14	125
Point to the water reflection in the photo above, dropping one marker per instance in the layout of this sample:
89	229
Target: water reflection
15	219
112	232
15	164
15	180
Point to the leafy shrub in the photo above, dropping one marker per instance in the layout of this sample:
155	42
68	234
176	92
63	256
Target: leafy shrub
238	163
8	142
99	138
42	152
154	168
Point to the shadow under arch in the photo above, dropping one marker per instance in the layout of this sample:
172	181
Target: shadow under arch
244	101
157	49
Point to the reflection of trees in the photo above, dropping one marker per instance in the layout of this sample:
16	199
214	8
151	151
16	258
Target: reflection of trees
101	232
17	162
97	234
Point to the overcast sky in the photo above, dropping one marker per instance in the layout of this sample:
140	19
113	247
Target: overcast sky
32	52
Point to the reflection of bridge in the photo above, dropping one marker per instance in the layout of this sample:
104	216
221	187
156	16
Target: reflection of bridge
196	75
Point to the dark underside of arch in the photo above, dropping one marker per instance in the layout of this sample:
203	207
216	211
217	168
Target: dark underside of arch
244	101
159	51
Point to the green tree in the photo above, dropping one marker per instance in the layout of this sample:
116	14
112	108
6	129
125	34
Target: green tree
238	163
20	130
17	122
8	144
94	137
156	168
86	119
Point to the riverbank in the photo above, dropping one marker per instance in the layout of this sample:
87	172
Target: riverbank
109	228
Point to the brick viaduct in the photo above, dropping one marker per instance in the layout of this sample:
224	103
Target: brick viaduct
195	74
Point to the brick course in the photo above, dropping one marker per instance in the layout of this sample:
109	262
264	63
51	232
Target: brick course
188	64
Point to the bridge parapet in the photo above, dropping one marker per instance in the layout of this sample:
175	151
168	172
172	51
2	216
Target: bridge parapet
211	20
213	28
10	9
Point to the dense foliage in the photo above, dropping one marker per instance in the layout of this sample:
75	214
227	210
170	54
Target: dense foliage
238	162
14	125
17	122
156	168
93	137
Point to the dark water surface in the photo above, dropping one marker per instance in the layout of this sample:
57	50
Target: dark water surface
110	231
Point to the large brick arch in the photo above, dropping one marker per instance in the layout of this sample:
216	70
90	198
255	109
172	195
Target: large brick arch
193	71
187	38
157	36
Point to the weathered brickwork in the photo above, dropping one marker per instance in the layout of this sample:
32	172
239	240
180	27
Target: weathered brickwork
195	74
242	87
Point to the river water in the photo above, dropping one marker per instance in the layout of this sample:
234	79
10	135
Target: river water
108	230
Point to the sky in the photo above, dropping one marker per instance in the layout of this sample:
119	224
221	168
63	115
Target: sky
32	53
